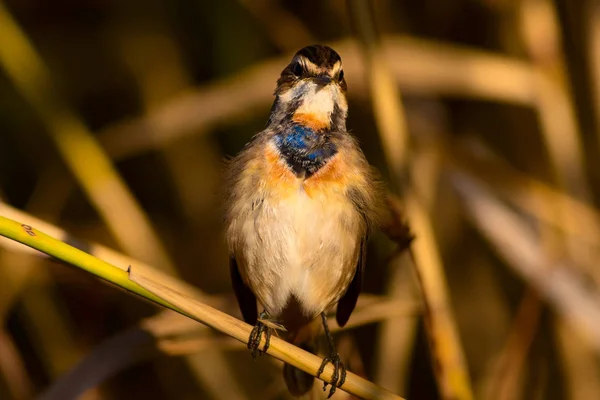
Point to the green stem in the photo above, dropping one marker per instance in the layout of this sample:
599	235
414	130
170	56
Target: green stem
35	239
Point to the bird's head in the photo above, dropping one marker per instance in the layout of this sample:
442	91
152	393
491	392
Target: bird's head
311	90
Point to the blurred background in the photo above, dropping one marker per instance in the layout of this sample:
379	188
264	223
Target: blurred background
483	117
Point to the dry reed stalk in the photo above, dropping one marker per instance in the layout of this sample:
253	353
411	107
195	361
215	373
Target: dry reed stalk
555	107
540	33
418	66
505	381
189	163
517	244
12	367
395	336
535	198
593	13
579	364
451	372
575	353
80	151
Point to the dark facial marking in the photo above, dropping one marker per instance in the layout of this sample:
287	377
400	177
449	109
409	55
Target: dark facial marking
297	69
338	119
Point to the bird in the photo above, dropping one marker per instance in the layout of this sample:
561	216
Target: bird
300	203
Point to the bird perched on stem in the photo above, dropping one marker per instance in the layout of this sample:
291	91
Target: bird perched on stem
301	200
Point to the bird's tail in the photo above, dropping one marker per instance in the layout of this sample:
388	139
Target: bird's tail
299	382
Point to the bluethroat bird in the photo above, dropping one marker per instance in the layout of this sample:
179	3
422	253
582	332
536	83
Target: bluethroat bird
301	200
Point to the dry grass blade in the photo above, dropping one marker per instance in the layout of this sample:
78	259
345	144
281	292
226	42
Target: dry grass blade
107	359
453	376
79	149
506	377
535	198
451	368
387	106
451	372
13	369
419	67
593	13
396	337
555	107
392	309
189	163
540	201
517	244
579	364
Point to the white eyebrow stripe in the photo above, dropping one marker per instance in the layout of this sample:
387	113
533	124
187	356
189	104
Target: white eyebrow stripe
310	66
314	69
337	67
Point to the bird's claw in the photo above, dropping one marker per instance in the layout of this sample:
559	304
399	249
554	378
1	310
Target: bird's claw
339	373
256	336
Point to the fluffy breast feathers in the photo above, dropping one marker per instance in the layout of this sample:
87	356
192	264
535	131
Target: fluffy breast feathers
260	172
299	236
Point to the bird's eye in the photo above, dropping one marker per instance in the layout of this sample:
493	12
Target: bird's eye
297	69
341	76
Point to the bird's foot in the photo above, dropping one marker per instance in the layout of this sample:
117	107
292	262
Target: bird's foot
339	373
256	336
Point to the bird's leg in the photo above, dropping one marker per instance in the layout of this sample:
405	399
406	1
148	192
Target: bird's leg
339	369
256	335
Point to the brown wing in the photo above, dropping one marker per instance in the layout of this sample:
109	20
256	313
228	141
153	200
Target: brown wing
244	295
348	301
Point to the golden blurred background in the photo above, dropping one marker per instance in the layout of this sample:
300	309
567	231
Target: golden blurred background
483	117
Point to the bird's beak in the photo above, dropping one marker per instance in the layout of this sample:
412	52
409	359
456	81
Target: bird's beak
322	81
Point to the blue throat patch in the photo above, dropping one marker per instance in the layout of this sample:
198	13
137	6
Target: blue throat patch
305	150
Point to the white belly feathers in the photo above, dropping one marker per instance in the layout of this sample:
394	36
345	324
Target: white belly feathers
299	247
